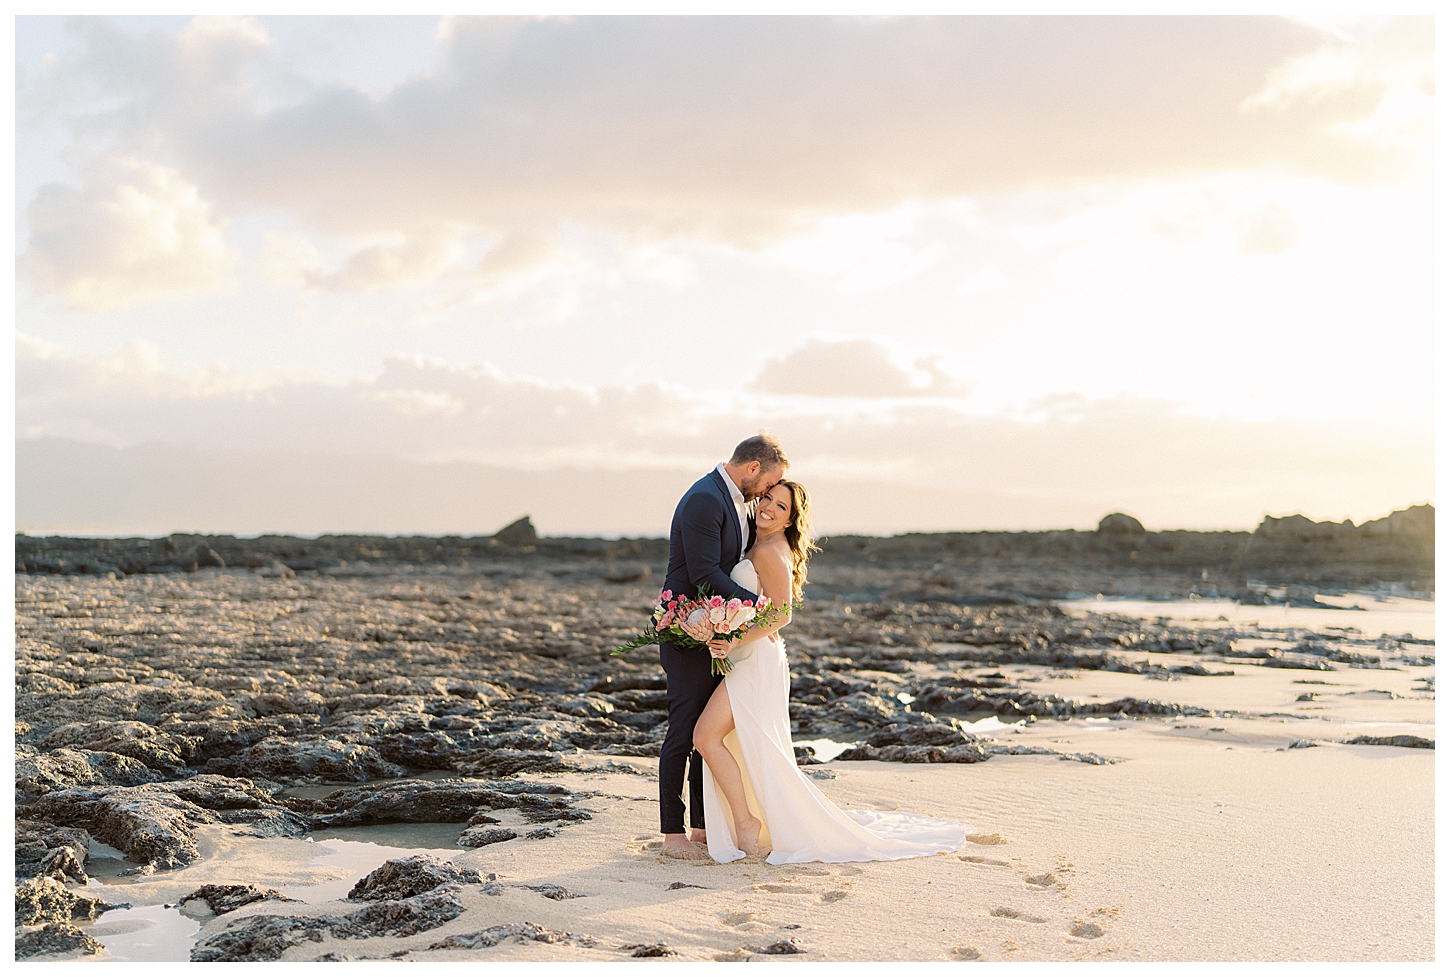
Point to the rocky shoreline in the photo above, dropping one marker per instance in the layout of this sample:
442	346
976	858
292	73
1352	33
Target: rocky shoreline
1282	559
289	698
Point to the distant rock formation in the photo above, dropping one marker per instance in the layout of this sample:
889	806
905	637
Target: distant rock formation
1416	522
1121	524
520	532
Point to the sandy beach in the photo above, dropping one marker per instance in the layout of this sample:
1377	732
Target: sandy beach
1237	823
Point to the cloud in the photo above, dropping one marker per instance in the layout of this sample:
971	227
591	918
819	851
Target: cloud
845	368
132	231
1388	65
518	252
744	129
1070	456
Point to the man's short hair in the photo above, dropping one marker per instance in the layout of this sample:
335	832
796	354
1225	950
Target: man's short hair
764	448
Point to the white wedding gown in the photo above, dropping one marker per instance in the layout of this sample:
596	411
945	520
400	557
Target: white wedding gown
799	823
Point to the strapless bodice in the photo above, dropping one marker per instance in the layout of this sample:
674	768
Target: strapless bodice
744	574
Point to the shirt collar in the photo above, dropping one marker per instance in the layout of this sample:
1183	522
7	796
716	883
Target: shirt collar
730	484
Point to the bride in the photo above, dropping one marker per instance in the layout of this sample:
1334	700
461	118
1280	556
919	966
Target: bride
757	801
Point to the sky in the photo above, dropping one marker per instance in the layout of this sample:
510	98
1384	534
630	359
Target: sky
976	272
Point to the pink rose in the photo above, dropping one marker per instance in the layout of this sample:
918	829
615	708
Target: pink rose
717	601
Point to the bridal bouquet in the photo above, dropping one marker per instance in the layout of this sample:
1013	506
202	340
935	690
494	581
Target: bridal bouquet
728	618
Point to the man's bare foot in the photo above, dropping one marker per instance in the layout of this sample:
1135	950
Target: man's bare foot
679	846
697	835
748	831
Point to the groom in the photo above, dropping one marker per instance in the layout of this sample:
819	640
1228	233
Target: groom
708	536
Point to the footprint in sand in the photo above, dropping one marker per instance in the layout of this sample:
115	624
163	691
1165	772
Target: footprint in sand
778	887
835	895
1086	931
979	860
737	918
1003	912
1044	881
983	838
966	953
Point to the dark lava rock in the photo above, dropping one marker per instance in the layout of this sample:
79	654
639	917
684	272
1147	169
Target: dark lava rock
56	938
44	900
43	849
779	947
478	837
520	532
262	937
805	756
403	878
225	898
495	935
1298	661
1413	742
64	768
165	753
964	753
224	737
556	892
434	802
540	833
292	760
652	950
921	734
152	824
1120	524
433	750
506	763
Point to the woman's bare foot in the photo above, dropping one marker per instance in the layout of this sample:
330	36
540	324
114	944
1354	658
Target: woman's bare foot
679	846
748	832
697	835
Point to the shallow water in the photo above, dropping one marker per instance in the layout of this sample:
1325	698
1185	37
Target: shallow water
146	933
1371	616
165	933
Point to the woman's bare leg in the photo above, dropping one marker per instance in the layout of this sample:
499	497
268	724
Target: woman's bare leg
714	724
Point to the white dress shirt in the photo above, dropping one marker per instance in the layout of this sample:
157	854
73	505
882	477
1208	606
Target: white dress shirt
740	510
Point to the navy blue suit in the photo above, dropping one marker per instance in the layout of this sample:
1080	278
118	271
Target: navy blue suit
704	548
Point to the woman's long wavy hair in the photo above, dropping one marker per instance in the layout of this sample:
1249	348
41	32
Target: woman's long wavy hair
798	535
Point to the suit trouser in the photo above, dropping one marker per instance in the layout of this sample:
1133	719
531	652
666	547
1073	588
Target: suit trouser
688	687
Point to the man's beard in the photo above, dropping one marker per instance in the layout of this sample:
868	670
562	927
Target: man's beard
754	488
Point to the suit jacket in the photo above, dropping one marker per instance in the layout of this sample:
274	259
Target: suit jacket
705	541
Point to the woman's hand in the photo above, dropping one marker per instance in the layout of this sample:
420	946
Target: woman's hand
720	648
